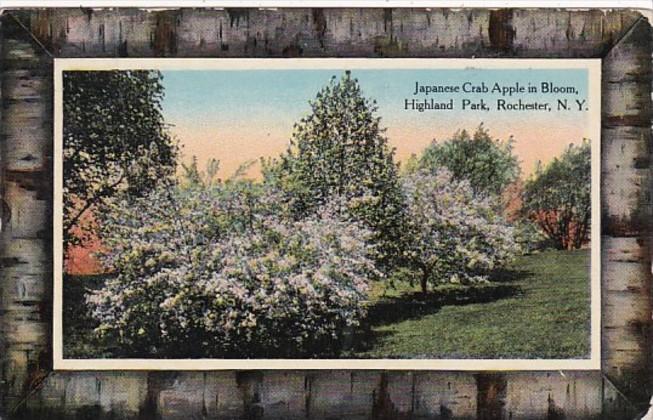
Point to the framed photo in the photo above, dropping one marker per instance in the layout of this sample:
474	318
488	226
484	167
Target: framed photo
352	213
325	213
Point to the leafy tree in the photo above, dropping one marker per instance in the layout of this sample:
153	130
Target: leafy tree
454	235
487	163
527	234
114	140
339	150
557	197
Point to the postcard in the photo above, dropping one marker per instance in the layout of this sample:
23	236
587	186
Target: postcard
327	213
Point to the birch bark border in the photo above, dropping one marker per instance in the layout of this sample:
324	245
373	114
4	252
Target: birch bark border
30	38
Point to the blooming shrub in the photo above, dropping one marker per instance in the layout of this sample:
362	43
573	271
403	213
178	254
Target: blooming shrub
213	272
455	235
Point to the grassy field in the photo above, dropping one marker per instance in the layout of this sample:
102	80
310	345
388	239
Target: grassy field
540	309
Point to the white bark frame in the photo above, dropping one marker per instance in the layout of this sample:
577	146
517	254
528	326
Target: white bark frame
621	38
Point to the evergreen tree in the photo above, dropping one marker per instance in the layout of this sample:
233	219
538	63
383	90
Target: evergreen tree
339	150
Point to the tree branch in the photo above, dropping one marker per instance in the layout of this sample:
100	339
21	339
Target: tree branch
92	201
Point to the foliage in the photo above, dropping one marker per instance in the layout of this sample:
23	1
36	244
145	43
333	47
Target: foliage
527	234
193	176
214	272
339	150
529	237
79	340
557	197
114	139
454	235
487	163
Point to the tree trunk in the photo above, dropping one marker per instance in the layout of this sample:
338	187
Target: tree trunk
424	281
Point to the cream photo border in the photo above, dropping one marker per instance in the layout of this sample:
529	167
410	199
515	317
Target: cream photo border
593	67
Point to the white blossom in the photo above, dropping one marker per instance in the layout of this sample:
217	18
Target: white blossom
213	272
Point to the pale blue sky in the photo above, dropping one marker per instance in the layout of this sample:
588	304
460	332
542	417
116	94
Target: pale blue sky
284	94
237	115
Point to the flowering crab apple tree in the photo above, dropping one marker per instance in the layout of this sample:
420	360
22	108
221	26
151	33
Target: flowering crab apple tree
454	236
213	272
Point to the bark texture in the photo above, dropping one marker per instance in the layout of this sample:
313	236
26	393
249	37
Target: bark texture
29	39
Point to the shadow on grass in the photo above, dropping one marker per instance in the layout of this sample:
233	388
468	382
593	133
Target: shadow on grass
510	275
415	305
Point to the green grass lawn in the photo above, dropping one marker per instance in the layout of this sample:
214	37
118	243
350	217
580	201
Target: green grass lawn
539	309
